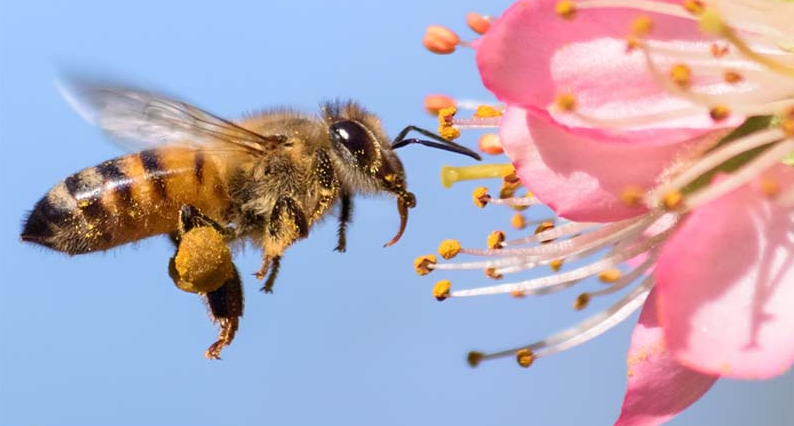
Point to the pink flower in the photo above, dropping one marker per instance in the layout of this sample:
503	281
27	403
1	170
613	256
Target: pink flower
616	117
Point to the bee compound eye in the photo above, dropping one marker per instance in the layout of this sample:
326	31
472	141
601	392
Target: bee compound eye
353	138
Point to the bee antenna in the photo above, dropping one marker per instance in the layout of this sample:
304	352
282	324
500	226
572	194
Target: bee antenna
443	143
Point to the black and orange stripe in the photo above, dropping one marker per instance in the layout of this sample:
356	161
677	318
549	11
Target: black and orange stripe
127	199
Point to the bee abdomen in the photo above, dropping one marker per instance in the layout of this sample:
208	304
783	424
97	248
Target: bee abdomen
124	200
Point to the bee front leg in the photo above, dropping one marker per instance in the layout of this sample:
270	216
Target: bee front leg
345	213
203	265
287	224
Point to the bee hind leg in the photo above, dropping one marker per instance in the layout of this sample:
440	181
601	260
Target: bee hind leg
287	224
203	265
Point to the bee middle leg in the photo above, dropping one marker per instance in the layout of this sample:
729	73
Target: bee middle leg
287	224
202	264
345	213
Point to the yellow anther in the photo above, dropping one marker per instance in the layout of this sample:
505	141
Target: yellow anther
518	294
518	221
487	111
489	143
681	75
694	7
495	240
565	101
672	199
510	183
632	43
449	132
556	265
566	9
422	264
478	23
435	103
525	357
480	196
719	50
440	39
441	290
642	26
632	195
719	112
581	301
492	274
450	175
732	77
787	126
474	358
769	187
609	275
449	249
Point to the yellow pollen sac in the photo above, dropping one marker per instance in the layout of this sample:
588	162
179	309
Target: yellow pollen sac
632	195
422	264
492	274
694	7
495	240
449	249
510	183
565	101
787	126
435	103
581	301
565	9
445	115
525	357
441	290
518	294
732	77
642	26
489	143
719	112
609	275
474	358
769	187
632	43
478	23
518	221
448	132
672	199
718	50
480	196
556	265
487	111
440	39
681	75
203	261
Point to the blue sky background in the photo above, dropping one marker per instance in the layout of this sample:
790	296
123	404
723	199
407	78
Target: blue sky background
347	339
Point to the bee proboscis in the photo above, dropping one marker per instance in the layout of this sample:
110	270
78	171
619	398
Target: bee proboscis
207	181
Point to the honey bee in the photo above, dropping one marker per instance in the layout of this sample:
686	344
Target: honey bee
207	181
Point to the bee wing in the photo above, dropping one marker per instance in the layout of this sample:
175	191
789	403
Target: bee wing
141	119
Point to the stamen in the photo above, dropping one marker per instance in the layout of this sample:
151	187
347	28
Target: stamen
525	358
663	8
732	77
642	26
568	229
423	265
441	290
435	103
450	175
487	111
477	123
632	195
556	265
609	275
671	200
493	274
474	358
440	40
489	143
694	7
566	9
481	197
629	278
495	240
581	301
516	201
478	23
445	123
565	102
719	112
681	75
449	249
518	221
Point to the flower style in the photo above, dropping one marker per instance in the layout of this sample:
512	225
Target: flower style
626	118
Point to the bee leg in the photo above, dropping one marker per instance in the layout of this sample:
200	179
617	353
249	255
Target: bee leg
345	213
286	225
226	307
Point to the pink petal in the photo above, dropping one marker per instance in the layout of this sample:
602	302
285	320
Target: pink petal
530	54
658	386
726	283
582	179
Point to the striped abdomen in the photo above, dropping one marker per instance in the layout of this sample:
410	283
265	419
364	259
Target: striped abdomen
127	199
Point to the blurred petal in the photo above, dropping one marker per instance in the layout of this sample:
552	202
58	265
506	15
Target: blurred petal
530	54
726	283
582	179
658	386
